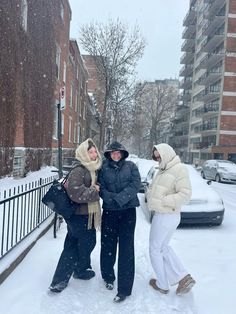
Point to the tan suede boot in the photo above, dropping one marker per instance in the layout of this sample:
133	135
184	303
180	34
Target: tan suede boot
153	284
185	285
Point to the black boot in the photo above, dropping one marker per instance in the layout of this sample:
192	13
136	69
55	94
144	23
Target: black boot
85	275
119	298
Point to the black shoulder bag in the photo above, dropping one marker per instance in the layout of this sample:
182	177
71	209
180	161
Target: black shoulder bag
58	200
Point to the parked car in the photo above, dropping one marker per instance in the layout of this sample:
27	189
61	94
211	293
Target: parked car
219	170
205	206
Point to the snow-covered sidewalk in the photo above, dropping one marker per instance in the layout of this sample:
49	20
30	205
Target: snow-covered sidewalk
207	252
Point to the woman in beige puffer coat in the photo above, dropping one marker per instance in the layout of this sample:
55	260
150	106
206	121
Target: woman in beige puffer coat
170	189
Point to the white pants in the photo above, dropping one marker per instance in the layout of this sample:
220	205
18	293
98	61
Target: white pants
167	266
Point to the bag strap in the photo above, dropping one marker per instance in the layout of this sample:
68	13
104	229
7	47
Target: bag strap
66	177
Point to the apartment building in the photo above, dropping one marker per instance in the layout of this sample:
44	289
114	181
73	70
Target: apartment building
208	103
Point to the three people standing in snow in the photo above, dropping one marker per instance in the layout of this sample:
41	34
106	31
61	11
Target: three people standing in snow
117	181
169	190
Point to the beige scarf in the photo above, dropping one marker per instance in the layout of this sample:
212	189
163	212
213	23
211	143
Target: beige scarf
94	208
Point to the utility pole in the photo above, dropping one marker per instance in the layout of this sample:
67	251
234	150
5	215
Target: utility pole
60	107
59	142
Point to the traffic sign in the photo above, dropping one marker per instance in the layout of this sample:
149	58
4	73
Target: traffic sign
62	98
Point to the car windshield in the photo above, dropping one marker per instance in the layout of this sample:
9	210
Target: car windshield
227	165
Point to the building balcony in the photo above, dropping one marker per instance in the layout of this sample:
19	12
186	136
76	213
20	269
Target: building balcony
214	7
211	26
190	16
186	96
211	78
186	70
189	32
187	58
188	45
186	83
210	60
213	42
210	95
200	145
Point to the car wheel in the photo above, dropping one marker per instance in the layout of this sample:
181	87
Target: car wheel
145	199
217	178
203	175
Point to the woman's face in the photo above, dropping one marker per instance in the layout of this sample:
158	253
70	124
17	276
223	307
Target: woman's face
116	155
157	155
92	152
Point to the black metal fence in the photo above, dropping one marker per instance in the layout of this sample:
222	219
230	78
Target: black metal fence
21	212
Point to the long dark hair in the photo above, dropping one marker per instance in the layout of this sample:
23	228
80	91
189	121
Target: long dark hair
153	156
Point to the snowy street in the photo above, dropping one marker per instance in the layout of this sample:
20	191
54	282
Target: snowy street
207	252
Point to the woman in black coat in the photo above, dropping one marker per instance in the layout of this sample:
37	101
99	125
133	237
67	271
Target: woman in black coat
119	181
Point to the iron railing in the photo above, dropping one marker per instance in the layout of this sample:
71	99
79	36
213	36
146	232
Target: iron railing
21	212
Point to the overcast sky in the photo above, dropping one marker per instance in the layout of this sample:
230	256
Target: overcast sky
160	22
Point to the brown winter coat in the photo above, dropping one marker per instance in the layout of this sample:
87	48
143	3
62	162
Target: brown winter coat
80	190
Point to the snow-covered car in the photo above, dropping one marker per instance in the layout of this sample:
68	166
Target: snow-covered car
219	170
205	206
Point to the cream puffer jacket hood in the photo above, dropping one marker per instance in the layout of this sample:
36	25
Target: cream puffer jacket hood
171	187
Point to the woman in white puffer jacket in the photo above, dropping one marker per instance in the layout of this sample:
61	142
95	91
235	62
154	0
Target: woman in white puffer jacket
170	189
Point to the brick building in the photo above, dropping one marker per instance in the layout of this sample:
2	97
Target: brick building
95	88
209	80
27	68
37	60
74	110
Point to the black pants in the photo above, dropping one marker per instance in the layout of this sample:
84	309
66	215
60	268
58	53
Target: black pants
78	245
118	228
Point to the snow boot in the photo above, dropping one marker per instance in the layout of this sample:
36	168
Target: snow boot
109	285
153	284
119	298
58	287
85	275
185	285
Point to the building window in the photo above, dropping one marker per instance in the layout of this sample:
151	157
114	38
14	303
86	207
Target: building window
84	112
71	95
70	130
58	61
76	102
24	14
77	72
62	10
64	73
79	133
75	132
80	109
55	121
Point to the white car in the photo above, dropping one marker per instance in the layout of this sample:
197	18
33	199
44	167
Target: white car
205	205
219	170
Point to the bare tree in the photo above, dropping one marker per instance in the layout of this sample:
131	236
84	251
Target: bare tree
122	109
116	51
155	104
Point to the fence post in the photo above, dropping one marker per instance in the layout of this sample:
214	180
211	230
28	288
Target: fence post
39	200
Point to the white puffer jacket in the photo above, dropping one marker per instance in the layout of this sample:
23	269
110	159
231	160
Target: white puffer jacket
171	187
